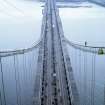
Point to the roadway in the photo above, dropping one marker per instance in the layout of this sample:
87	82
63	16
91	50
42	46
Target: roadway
54	86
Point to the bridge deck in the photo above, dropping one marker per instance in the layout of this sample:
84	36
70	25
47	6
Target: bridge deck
55	82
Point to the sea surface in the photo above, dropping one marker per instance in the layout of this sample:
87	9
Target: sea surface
20	27
85	22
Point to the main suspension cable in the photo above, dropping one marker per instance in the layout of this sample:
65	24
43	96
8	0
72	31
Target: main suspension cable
12	5
16	80
19	51
85	48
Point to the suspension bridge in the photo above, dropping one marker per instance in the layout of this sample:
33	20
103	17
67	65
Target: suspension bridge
53	81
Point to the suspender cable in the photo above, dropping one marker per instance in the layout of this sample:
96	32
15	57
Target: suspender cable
33	66
80	74
0	98
23	80
76	59
85	78
16	80
25	77
104	94
93	80
30	62
24	68
2	78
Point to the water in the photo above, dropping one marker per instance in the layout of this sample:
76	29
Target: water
20	23
20	28
18	78
86	24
